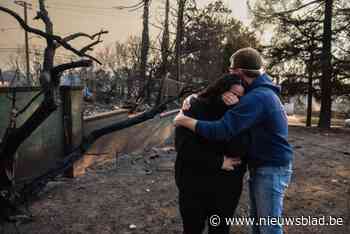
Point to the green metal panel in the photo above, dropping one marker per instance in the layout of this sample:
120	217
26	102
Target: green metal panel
45	147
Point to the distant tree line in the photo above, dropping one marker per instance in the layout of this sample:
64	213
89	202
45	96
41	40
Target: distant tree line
193	48
309	50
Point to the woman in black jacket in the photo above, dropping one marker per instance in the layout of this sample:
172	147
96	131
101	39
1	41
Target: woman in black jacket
205	189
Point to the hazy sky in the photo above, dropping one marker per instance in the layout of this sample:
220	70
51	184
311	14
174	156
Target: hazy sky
69	16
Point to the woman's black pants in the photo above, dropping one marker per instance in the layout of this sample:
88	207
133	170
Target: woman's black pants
216	197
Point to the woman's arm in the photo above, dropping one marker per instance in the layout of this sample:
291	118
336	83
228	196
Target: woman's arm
192	150
197	153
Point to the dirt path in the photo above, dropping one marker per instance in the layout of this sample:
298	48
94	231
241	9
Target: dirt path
137	194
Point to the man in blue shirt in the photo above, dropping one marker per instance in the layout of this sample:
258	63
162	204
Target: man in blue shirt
270	156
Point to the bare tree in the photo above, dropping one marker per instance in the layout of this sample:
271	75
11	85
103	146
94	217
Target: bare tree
145	44
179	36
165	44
326	81
144	47
49	81
328	21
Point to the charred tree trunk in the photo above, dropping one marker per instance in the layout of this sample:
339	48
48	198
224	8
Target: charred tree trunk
15	137
165	40
326	81
164	53
149	85
179	37
144	48
309	99
310	70
49	81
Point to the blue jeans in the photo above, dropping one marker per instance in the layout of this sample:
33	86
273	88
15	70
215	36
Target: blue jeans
267	187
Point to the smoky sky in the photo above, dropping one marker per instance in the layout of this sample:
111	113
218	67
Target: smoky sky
90	16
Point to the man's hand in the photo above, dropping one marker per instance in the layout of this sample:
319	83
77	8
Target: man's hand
185	121
186	105
179	118
229	164
229	98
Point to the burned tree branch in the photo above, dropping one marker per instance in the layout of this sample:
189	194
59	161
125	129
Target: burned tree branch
80	34
135	120
23	24
14	139
49	78
43	15
38	183
66	66
49	52
29	103
89	46
297	8
46	35
132	7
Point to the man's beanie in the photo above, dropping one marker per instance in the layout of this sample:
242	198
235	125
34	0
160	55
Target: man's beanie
247	58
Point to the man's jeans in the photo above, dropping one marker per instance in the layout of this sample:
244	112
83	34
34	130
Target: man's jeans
267	186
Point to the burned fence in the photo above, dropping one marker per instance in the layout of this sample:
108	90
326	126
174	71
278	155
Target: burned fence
49	143
65	129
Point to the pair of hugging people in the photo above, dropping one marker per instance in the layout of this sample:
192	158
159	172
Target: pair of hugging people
238	122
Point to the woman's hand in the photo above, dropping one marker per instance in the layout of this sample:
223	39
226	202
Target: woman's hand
229	164
229	98
186	105
185	121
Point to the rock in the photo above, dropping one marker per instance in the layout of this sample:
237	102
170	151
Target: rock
132	226
347	123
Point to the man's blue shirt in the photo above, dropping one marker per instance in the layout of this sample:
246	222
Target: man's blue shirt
261	112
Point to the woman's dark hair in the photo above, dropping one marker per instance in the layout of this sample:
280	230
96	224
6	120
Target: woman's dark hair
220	86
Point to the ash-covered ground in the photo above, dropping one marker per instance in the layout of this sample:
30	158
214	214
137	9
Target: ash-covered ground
136	193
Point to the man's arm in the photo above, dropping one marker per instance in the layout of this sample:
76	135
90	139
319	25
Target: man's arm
244	115
185	121
182	120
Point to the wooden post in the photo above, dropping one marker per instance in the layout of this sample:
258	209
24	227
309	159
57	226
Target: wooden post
73	129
